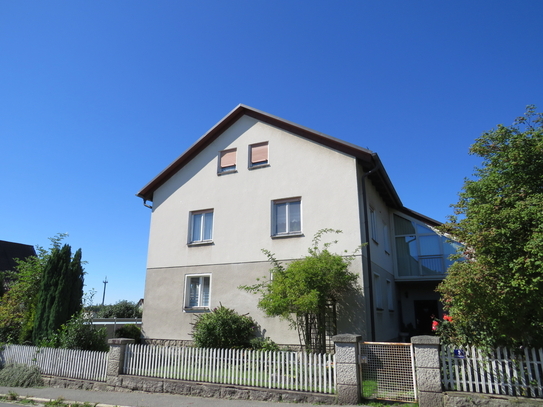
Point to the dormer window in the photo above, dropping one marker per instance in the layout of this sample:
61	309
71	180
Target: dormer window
258	155
227	161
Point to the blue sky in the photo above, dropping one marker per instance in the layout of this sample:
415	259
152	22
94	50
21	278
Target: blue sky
97	97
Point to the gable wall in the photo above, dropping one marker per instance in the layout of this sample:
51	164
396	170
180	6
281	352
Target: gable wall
326	181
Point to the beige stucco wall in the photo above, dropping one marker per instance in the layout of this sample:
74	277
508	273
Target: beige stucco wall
326	181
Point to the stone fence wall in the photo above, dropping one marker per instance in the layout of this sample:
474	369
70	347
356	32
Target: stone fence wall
349	381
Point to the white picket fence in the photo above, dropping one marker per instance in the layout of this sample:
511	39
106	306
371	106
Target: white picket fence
274	370
507	372
75	364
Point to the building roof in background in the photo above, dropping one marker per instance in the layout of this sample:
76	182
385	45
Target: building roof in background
9	251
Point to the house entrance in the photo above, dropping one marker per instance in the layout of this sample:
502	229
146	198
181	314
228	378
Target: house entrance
388	371
425	311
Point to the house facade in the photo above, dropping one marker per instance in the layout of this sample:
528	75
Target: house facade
254	182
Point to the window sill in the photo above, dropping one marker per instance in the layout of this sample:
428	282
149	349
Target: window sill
196	310
204	243
256	166
227	172
285	235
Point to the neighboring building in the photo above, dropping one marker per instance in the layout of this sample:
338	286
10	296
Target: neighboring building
254	182
9	251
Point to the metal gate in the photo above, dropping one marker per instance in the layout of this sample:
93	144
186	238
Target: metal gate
388	371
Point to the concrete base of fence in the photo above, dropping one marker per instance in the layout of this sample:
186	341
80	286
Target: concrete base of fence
463	399
64	383
125	383
147	384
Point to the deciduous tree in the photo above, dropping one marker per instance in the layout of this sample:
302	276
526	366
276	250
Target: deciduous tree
305	290
18	305
494	294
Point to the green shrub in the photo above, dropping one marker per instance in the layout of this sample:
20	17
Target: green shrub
129	331
80	333
223	328
18	375
264	344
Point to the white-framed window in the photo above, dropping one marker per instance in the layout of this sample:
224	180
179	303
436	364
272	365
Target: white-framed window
287	217
201	226
227	161
377	291
197	291
373	225
258	155
390	295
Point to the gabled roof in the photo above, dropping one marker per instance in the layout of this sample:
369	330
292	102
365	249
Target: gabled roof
9	251
368	159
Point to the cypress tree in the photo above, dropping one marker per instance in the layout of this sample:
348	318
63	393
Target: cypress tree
76	293
60	293
58	311
46	295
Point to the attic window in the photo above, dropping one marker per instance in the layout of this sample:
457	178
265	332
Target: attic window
227	161
258	155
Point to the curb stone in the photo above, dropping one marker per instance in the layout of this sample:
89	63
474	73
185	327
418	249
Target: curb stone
46	400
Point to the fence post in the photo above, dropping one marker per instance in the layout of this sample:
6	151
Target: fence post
428	370
348	383
115	359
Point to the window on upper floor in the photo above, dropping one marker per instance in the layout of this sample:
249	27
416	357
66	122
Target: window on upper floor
287	217
197	291
373	225
201	226
258	155
386	238
227	161
420	251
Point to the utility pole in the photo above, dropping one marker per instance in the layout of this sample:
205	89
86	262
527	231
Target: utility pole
104	296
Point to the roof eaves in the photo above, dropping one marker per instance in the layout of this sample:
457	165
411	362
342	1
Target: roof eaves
146	193
423	218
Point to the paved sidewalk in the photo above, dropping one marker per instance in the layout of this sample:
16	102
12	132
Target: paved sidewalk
132	399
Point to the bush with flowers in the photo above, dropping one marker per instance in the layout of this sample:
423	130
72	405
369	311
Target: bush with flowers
444	327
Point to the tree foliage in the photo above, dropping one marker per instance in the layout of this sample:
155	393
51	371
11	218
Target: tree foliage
61	292
494	295
121	309
18	304
305	290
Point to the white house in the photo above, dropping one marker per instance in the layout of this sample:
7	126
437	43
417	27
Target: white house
255	181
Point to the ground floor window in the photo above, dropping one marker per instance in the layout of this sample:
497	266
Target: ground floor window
197	293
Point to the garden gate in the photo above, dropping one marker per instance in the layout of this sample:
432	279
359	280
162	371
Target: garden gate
388	372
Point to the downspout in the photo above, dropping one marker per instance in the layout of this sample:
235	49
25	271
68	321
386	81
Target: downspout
145	204
368	251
